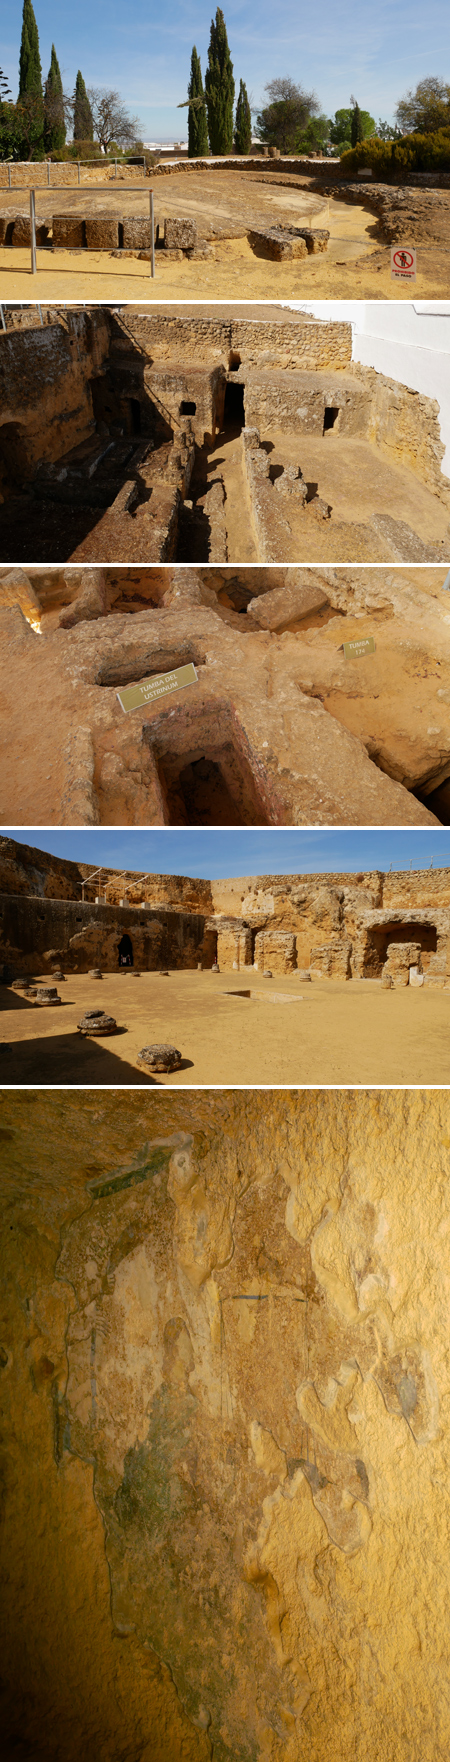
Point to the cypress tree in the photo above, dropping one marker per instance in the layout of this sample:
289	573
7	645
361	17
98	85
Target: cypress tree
30	102
197	124
219	88
54	124
83	126
357	133
243	123
30	71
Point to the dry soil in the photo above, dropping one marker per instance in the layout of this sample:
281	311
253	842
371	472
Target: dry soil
355	264
287	1032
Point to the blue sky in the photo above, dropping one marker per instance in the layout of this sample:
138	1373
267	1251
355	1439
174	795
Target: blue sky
216	855
144	51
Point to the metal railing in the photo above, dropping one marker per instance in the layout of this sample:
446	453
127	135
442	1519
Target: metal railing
132	189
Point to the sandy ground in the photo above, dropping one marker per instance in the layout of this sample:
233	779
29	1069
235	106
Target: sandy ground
355	263
351	475
323	1033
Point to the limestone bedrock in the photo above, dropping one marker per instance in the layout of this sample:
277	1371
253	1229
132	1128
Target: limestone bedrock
225	1368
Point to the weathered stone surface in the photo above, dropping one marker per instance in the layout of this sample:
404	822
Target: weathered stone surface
97	1022
180	235
16	590
225	1425
69	230
137	232
159	1058
278	243
311	768
89	601
284	605
401	956
102	232
21	232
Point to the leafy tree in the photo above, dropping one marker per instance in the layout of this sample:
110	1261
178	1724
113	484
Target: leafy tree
357	133
387	131
287	114
341	128
314	137
7	109
219	88
54	120
5	94
111	120
197	123
243	123
83	125
426	110
30	84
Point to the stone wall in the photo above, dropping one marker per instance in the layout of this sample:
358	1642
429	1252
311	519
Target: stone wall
303	343
340	925
203	387
44	383
405	424
26	870
79	936
65	173
298	401
225	1520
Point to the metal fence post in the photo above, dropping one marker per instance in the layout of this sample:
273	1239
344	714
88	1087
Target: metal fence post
9	177
78	164
33	230
152	229
115	163
48	171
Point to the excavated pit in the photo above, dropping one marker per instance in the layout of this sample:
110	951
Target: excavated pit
152	437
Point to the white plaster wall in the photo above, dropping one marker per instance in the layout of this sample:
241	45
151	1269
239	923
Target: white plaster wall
408	341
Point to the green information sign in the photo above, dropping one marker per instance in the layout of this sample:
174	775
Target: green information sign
131	696
353	651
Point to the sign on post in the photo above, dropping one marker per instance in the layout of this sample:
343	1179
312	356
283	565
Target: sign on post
354	651
403	263
149	690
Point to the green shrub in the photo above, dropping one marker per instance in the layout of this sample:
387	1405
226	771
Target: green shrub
85	150
392	161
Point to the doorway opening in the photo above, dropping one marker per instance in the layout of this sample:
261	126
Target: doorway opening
234	412
209	950
14	464
380	936
187	408
125	951
330	417
438	802
135	416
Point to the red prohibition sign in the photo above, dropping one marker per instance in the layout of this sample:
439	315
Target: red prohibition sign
403	259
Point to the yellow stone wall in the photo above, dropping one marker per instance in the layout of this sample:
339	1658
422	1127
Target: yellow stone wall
225	1391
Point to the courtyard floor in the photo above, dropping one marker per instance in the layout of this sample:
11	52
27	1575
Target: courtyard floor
327	1032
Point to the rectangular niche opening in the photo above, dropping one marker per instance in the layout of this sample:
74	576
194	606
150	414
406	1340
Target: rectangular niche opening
331	417
206	771
381	935
150	666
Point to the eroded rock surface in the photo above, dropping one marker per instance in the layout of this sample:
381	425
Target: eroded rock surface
226	1372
